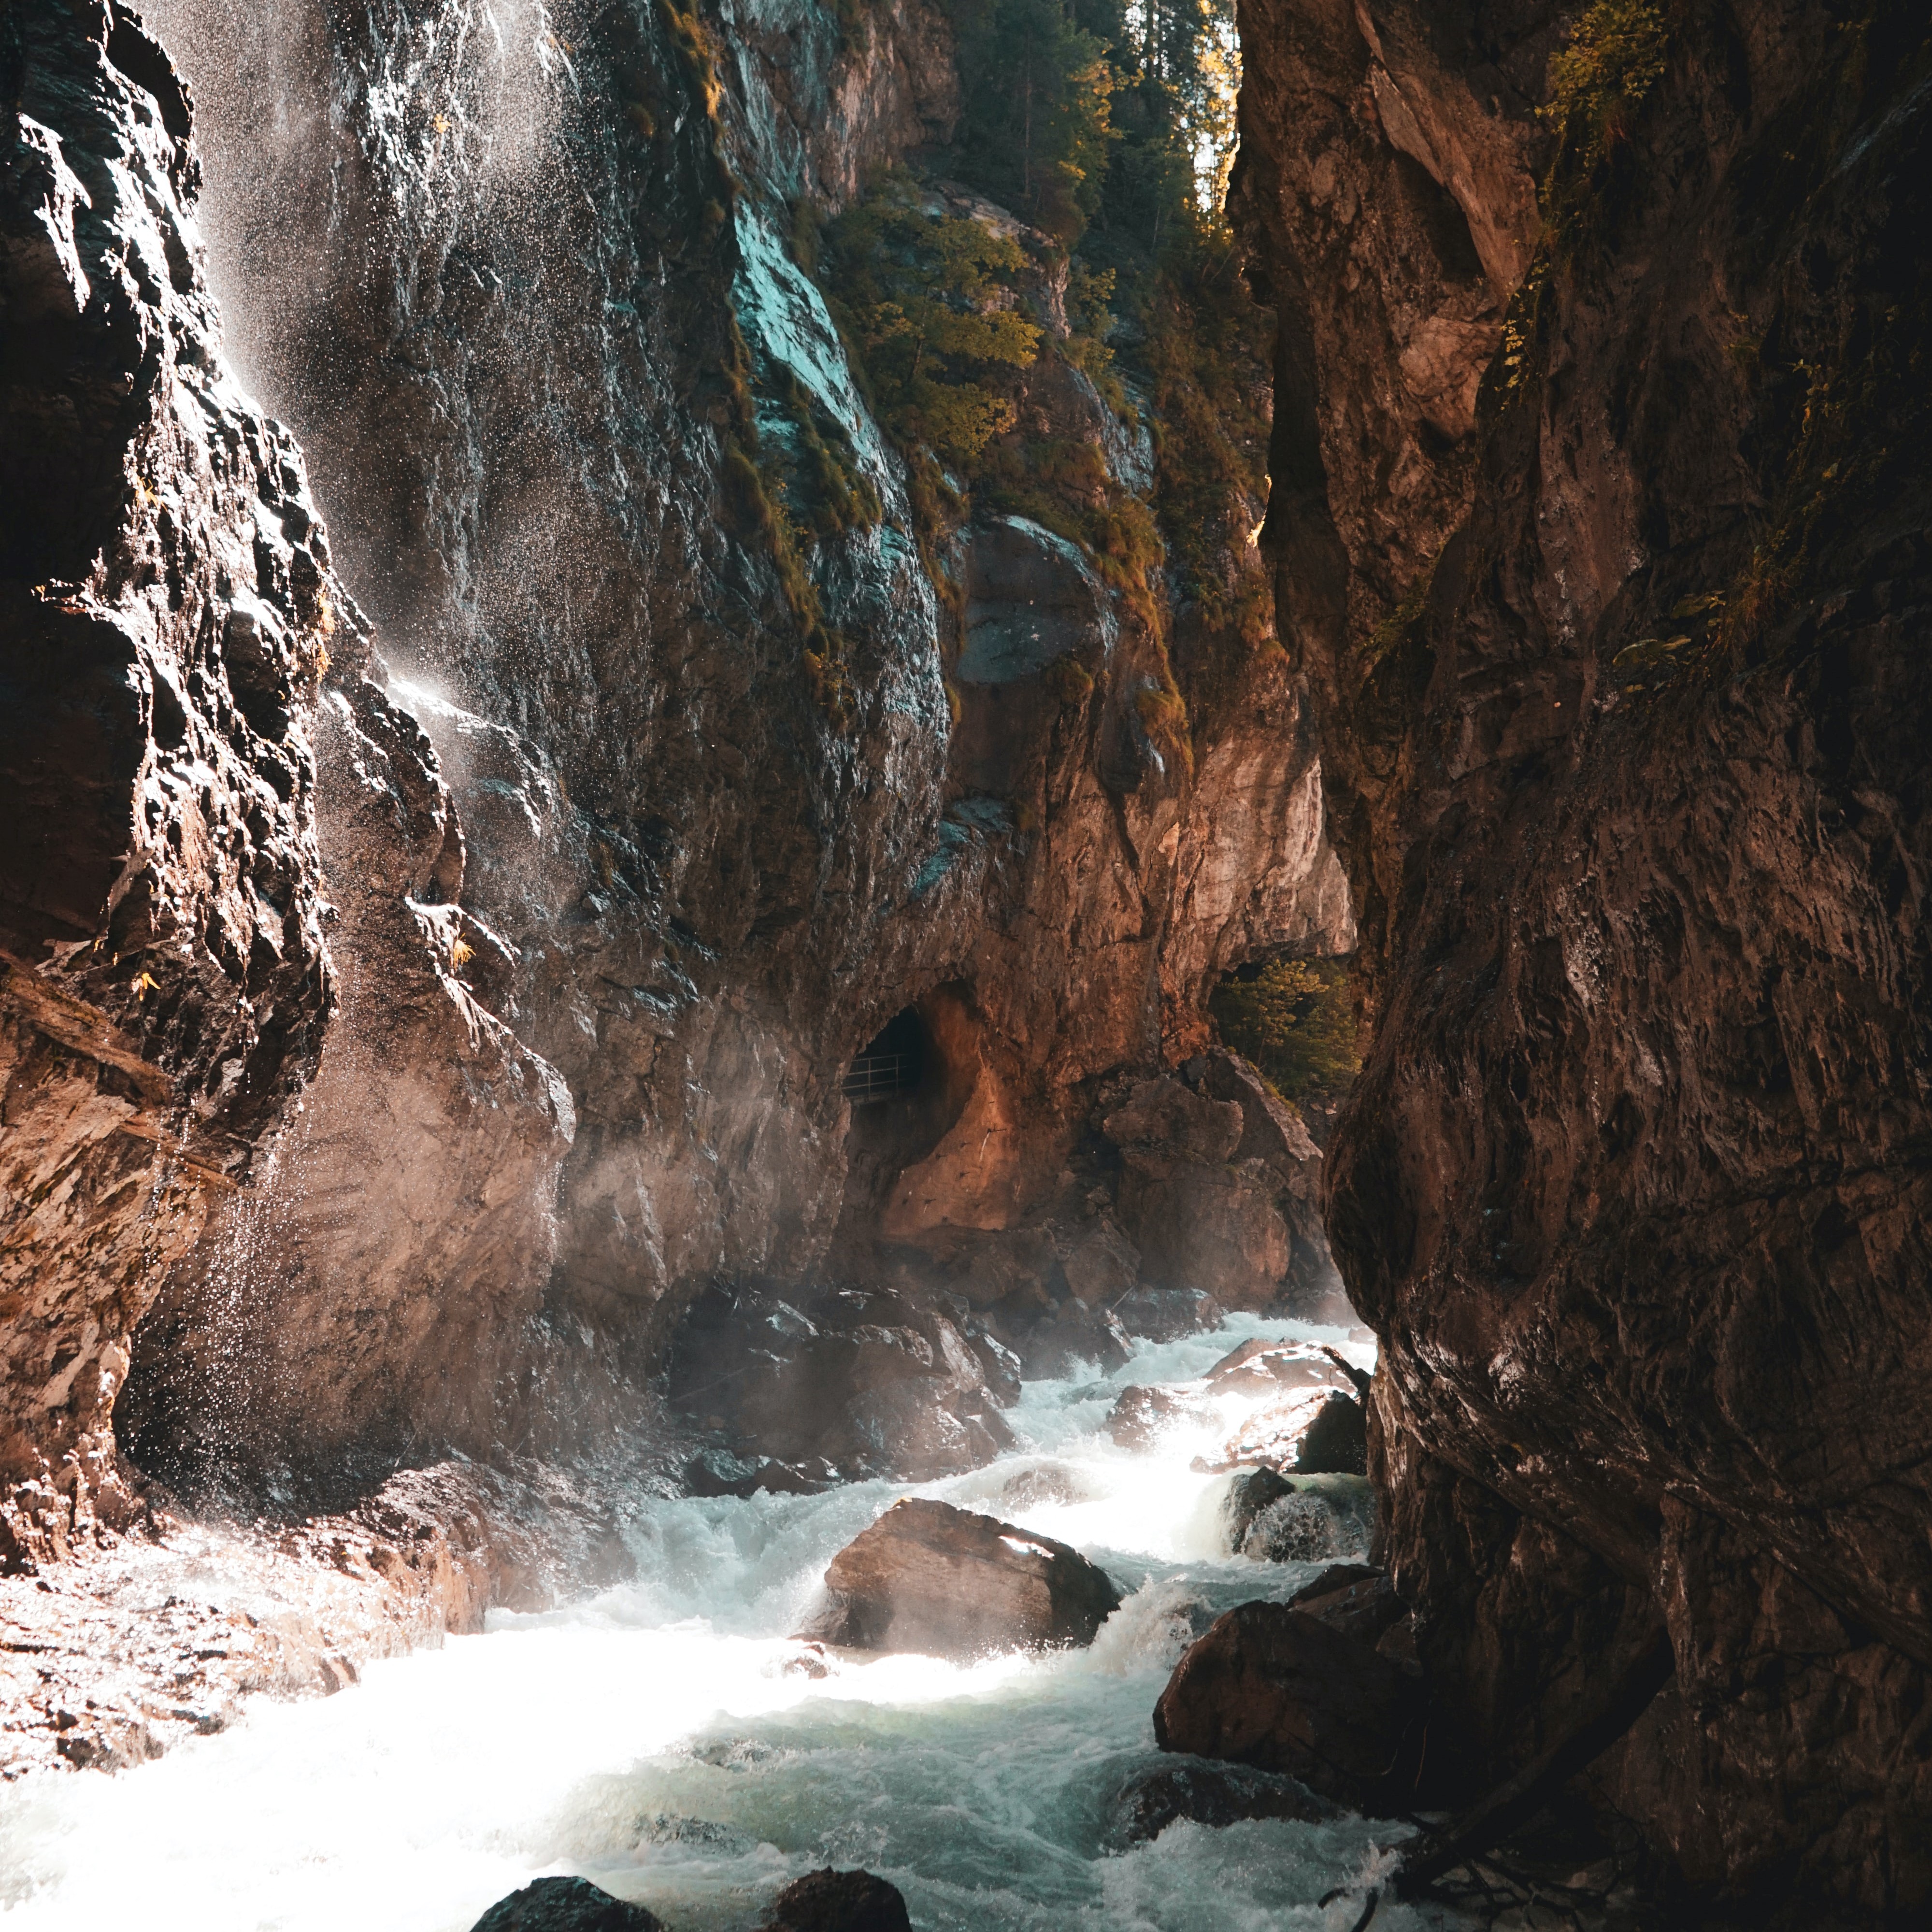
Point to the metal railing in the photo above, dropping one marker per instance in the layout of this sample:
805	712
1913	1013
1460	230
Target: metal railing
878	1076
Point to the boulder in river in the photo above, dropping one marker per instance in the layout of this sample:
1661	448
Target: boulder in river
1282	1690
1139	1415
566	1905
1337	1440
931	1578
1355	1598
1156	1796
838	1901
1166	1314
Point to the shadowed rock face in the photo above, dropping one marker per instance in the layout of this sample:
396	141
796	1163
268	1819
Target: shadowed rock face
1278	1689
1633	1188
167	605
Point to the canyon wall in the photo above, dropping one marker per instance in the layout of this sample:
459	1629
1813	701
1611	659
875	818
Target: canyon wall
1600	523
599	868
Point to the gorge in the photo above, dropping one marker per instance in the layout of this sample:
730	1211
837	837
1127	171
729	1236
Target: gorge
666	675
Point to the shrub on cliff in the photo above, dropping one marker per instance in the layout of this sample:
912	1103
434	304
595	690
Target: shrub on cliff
1295	1022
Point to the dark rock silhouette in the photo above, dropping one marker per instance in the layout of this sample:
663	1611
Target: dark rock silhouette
566	1905
838	1901
1601	525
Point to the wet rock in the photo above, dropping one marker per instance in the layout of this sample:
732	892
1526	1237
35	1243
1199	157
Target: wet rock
1055	1482
1259	1366
1075	1339
566	1905
1278	1689
1214	1795
1251	1492
1337	1440
1219	1191
1355	1599
1103	1266
862	1382
931	1578
164	985
1321	1518
1641	1099
837	1901
719	1472
1166	1314
1139	1415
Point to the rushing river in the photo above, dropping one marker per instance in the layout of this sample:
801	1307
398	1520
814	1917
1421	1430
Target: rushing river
651	1739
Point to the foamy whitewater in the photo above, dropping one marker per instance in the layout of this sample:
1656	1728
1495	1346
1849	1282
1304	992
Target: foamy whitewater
649	1739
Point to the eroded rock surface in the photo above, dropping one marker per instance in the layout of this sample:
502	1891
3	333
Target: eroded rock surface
167	606
1601	525
928	1577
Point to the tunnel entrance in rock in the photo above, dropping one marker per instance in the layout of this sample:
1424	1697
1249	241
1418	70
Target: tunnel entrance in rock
892	1064
907	1088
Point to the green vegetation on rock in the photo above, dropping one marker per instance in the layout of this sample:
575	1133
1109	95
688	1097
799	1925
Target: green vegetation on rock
1071	247
1294	1020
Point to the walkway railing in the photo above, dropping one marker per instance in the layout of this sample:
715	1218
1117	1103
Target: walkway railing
878	1076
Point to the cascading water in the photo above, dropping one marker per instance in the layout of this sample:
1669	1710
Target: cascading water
657	1739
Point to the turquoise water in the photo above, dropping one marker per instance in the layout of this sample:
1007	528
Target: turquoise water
651	1738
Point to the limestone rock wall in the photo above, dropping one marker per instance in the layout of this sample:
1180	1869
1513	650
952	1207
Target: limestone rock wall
167	606
1620	680
615	875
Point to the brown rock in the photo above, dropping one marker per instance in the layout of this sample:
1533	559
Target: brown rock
1638	840
1337	1440
1139	1415
1280	1690
928	1577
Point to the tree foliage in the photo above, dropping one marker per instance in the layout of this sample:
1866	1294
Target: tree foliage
1295	1022
928	298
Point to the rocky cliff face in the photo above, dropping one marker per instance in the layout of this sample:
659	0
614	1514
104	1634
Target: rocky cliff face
169	607
616	863
1600	524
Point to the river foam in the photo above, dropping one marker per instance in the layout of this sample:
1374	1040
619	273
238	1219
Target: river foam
653	1739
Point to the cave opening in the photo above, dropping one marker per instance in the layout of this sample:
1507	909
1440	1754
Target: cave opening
891	1065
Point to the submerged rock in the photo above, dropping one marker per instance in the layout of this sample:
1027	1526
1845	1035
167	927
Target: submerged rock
1318	1519
1166	1314
1251	1492
1076	1338
1281	1690
1155	1796
838	1901
1298	1519
931	1578
566	1905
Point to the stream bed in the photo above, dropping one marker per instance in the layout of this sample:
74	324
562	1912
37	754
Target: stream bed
654	1739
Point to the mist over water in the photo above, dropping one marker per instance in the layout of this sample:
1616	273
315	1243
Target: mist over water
651	1738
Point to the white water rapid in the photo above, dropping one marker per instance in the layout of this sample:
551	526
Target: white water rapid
649	1739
